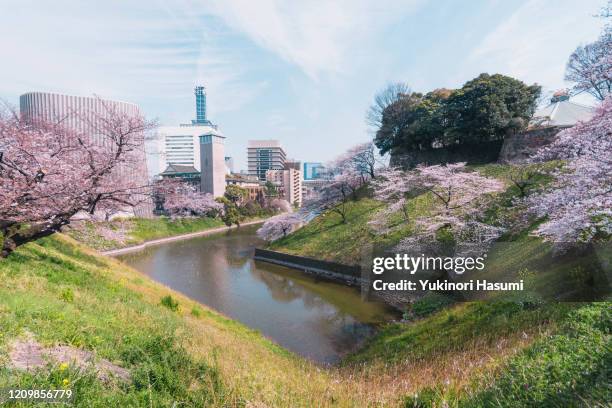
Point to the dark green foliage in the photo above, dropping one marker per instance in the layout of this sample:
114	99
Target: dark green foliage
485	109
231	213
236	194
169	302
270	189
488	108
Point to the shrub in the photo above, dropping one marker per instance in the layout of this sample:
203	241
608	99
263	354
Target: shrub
170	303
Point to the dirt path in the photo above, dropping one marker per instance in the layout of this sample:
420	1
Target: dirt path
174	238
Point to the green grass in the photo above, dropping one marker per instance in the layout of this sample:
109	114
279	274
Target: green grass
57	294
453	328
568	368
146	229
138	230
327	237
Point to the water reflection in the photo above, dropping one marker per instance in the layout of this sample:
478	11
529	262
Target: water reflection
316	319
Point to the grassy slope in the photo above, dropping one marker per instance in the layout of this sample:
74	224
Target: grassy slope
466	355
138	230
466	344
62	293
326	237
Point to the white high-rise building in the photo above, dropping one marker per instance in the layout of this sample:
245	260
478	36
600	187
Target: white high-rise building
181	144
264	155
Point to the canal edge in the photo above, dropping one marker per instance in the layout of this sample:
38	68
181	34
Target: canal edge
181	237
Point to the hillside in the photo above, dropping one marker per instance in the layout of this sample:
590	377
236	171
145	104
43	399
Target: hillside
62	294
123	232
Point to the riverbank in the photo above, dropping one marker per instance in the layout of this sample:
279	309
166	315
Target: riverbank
60	293
106	236
205	232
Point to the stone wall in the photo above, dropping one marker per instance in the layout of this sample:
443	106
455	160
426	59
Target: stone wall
517	148
482	153
347	274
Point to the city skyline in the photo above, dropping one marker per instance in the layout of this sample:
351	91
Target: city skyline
301	73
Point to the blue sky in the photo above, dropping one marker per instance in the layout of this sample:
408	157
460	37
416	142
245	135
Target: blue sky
303	72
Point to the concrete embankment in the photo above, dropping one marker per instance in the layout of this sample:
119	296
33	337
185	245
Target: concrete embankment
160	241
352	275
346	274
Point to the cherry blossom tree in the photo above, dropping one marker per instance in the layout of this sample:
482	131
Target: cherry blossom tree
361	159
394	187
337	196
460	196
590	66
279	226
577	205
280	205
183	200
50	172
455	187
345	175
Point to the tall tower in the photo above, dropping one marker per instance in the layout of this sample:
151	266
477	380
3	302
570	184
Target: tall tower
212	160
200	94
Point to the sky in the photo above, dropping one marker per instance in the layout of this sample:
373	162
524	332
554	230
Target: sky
303	72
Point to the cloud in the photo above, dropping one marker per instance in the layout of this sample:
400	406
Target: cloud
318	36
533	43
144	52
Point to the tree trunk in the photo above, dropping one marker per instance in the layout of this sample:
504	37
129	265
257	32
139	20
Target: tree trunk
15	236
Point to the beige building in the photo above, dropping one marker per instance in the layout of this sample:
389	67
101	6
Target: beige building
212	160
288	182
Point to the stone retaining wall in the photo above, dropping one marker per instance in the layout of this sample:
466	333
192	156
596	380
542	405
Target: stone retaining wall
347	274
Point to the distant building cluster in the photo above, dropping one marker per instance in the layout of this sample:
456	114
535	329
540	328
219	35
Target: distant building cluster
193	152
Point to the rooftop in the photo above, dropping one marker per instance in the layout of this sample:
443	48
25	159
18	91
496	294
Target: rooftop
178	169
263	143
561	112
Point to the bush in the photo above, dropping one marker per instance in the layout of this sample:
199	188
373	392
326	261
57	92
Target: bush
170	303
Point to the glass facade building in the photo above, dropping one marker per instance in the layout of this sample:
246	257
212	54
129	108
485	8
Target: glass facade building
313	171
264	155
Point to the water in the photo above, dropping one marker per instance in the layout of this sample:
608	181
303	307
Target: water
319	320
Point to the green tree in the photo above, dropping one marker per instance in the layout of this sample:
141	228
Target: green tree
415	122
236	194
231	213
396	118
488	108
270	189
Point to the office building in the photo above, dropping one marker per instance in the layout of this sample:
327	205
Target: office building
212	159
82	114
288	181
180	145
264	155
313	171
